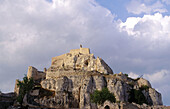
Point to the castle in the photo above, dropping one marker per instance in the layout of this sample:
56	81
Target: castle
74	76
76	60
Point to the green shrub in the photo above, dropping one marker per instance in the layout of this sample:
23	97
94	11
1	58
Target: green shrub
137	97
131	84
126	75
136	79
99	97
24	87
117	101
144	87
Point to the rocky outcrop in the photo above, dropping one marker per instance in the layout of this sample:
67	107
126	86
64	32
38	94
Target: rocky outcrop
126	105
6	100
153	97
72	77
119	88
143	82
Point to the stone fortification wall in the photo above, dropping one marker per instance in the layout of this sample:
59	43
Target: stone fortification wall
32	73
81	51
16	88
77	59
59	59
35	74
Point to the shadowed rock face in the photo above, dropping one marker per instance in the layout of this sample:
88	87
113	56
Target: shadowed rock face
72	77
6	100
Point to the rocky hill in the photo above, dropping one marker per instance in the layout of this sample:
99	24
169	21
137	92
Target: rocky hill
73	76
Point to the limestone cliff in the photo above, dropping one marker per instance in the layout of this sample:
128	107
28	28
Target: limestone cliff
73	76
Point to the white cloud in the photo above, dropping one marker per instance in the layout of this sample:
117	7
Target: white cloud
153	27
139	7
31	32
133	75
158	77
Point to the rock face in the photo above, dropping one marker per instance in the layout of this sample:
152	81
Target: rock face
129	106
6	100
153	97
143	82
73	76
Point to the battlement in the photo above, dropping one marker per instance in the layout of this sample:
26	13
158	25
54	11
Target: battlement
35	74
81	50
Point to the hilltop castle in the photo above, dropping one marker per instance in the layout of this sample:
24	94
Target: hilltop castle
77	60
73	76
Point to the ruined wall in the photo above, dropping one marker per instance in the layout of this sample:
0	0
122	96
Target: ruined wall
35	74
81	50
77	59
16	89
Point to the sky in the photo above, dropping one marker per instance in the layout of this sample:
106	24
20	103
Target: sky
132	36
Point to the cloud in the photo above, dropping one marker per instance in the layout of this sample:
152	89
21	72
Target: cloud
140	6
32	32
166	1
133	75
153	27
155	78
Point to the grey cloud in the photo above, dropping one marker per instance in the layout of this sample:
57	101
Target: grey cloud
166	1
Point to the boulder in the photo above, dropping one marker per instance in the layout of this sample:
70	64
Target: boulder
143	82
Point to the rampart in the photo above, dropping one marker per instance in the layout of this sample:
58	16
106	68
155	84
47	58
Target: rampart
81	51
35	74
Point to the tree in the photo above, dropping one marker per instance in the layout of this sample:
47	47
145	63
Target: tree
137	97
25	87
101	96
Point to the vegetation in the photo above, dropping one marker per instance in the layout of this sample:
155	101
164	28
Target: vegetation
99	97
24	86
126	75
137	97
136	79
144	87
117	101
131	84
